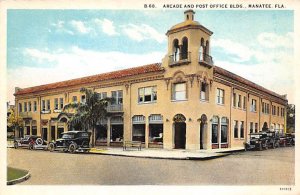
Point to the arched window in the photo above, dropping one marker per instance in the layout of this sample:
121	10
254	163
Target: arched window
207	48
176	50
184	52
214	130
201	50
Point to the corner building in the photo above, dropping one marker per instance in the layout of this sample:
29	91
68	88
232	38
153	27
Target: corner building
184	102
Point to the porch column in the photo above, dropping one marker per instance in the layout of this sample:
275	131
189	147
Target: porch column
146	132
30	126
108	131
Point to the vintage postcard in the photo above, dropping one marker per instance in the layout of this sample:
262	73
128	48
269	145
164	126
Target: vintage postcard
149	97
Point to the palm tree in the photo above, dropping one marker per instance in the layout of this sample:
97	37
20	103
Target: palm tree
89	112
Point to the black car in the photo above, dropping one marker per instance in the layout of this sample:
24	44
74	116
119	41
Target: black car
257	141
31	142
290	139
72	141
273	139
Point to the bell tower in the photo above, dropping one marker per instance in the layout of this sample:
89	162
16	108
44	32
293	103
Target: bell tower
188	46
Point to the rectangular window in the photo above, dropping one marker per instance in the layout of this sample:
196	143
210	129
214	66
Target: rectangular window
56	103
234	100
29	106
61	103
25	106
74	99
204	92
82	100
251	127
48	104
242	129
244	103
34	106
278	111
43	105
263	108
253	105
147	94
268	108
236	129
240	101
220	96
103	95
256	127
179	91
20	107
117	97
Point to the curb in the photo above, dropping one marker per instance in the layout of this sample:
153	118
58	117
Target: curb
233	151
19	180
168	158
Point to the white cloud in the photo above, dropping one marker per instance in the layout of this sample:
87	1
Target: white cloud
59	27
272	40
241	52
80	26
77	62
107	26
273	67
142	32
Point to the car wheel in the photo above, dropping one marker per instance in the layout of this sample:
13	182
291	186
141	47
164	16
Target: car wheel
51	147
72	148
30	147
16	145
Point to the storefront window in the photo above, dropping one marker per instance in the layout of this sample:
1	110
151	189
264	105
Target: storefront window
224	130
214	129
138	132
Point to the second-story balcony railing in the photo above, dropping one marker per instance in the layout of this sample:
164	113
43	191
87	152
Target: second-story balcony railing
177	59
115	108
25	114
205	60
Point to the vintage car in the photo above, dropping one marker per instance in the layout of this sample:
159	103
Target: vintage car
290	139
72	141
257	141
31	142
273	139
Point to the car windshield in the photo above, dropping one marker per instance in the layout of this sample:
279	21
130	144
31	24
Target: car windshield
84	135
68	136
26	137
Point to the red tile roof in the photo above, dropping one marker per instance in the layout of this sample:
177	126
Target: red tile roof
245	81
90	79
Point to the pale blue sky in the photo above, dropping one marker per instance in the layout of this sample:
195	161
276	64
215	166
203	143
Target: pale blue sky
93	41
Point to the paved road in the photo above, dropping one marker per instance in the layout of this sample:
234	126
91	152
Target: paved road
271	167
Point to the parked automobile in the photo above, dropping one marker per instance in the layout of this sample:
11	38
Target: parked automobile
273	139
31	142
282	140
290	139
257	141
72	141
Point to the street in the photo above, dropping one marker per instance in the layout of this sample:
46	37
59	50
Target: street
268	167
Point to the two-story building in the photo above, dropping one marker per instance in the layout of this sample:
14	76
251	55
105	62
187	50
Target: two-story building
183	102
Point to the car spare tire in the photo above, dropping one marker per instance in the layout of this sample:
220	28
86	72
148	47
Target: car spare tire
39	141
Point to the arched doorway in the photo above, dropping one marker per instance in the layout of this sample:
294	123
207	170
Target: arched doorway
265	126
179	131
203	121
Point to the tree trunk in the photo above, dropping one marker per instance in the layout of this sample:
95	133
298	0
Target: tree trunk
93	136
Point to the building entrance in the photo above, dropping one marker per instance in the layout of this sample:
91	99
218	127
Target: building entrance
180	135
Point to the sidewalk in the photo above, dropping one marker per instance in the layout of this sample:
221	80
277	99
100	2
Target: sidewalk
165	153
